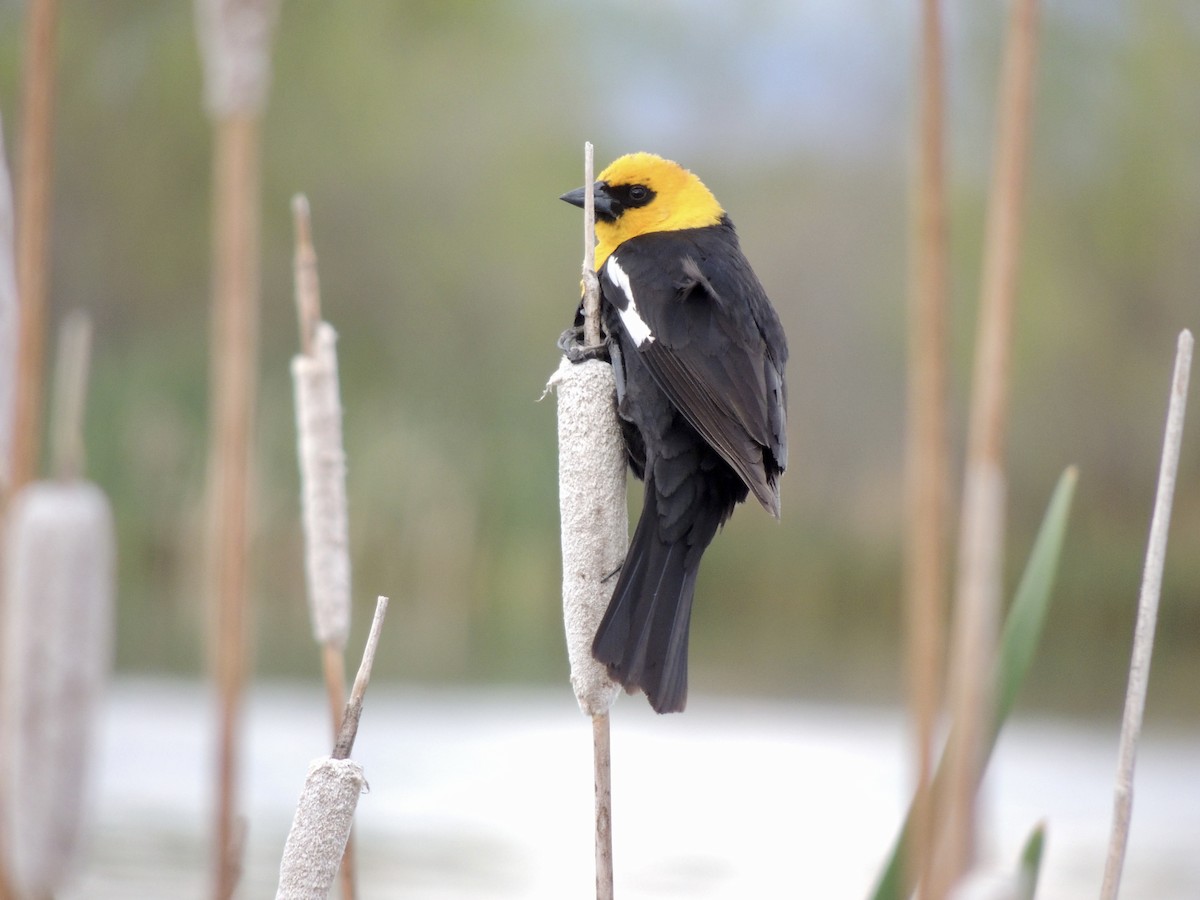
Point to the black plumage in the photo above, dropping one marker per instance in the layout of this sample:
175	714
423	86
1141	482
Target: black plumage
699	356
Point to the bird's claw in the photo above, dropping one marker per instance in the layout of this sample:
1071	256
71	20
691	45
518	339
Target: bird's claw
572	346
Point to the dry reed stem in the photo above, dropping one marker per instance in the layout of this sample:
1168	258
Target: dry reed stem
981	539
1147	616
233	371
591	284
349	729
602	766
9	324
34	200
235	44
304	267
927	464
70	394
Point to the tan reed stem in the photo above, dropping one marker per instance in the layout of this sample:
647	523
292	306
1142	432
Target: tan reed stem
927	452
981	541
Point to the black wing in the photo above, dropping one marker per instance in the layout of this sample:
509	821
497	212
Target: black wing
700	320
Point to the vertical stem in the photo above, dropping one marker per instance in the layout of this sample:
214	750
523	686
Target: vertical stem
234	359
1147	617
33	232
591	287
982	528
334	664
927	446
602	755
70	395
308	291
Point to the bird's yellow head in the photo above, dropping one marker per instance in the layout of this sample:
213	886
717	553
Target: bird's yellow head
640	193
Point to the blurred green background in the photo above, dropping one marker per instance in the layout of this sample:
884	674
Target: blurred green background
433	139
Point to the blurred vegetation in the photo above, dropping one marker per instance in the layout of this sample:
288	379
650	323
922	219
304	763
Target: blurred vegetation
433	139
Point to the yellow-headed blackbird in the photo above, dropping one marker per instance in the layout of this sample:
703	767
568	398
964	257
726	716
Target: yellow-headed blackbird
698	354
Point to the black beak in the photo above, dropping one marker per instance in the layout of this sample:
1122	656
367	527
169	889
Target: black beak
606	207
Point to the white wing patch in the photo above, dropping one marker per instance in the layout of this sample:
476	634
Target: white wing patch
630	317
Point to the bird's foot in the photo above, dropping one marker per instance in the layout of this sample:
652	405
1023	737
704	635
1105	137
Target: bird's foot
572	346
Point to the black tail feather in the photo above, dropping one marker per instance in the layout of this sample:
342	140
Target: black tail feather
643	638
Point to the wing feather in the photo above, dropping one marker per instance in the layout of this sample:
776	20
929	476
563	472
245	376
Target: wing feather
718	350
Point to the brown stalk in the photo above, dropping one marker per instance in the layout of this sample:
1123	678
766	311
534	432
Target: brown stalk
601	742
591	285
349	729
981	541
926	464
308	285
602	764
234	361
33	232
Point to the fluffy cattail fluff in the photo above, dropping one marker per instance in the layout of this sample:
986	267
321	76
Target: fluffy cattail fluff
235	43
323	473
595	523
320	829
59	576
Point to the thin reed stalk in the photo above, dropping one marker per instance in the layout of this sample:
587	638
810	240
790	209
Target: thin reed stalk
1147	617
591	287
9	325
34	204
927	452
235	40
595	528
981	542
234	366
9	342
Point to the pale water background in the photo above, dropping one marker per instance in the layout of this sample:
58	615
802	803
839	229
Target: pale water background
487	793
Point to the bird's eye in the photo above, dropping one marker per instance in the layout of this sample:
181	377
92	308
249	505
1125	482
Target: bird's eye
638	193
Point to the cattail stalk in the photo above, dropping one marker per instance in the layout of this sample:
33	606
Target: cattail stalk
595	532
34	203
1147	617
927	452
591	286
325	813
981	541
9	326
59	576
323	479
235	38
982	527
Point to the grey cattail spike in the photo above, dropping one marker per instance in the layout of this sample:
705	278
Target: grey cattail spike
58	584
325	813
595	526
9	325
59	576
320	829
235	45
323	473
